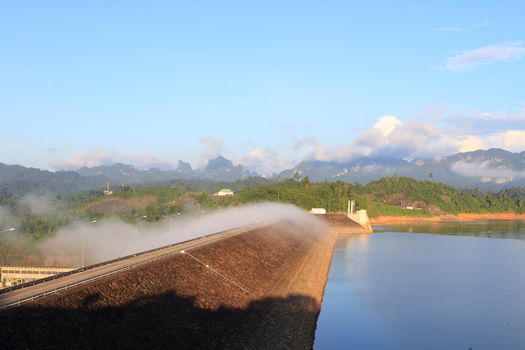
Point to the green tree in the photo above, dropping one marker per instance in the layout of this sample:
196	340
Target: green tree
306	182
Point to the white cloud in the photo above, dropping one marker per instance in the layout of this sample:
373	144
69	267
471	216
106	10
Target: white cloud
148	161
511	140
487	171
322	152
99	158
471	143
390	137
476	123
387	124
213	147
265	161
463	29
504	52
86	159
376	141
405	140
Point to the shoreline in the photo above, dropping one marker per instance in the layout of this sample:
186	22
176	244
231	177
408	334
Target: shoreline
464	217
342	228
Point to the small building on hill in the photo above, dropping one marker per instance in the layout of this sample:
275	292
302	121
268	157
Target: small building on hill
318	211
108	191
224	192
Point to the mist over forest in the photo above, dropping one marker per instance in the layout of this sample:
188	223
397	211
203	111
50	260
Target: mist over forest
44	220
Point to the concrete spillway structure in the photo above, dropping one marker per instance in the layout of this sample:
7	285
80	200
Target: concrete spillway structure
361	218
259	289
14	275
344	226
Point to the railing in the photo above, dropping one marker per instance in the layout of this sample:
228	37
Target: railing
200	241
90	267
75	284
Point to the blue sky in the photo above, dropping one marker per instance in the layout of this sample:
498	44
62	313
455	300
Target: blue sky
266	83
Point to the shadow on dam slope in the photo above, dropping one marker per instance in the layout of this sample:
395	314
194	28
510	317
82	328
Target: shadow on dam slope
263	292
162	321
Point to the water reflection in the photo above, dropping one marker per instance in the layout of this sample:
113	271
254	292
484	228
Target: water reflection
398	290
514	229
362	240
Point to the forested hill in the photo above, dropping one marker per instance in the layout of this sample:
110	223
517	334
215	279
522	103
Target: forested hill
393	196
16	180
389	196
438	197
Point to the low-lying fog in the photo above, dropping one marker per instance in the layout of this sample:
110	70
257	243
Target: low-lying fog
112	238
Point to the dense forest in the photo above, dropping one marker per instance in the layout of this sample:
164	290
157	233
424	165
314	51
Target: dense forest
388	196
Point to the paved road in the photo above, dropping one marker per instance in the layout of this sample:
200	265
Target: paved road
27	294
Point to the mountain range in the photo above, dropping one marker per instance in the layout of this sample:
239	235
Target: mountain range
492	169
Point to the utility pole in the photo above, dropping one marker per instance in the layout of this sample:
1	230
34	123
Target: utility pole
137	219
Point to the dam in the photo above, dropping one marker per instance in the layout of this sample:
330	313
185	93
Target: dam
257	289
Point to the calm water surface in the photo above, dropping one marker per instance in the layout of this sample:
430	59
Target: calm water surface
459	288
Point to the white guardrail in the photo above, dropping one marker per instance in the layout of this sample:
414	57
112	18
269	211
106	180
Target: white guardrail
191	244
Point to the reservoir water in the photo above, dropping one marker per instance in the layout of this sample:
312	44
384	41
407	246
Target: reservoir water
433	286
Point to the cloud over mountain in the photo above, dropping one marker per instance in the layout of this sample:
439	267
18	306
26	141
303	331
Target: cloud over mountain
100	158
487	171
266	161
444	132
392	138
212	148
86	159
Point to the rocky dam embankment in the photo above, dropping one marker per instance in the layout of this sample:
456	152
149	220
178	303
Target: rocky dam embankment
258	290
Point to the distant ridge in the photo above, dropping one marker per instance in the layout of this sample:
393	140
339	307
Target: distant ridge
19	180
492	169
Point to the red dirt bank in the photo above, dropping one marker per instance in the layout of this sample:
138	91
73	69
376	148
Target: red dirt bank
460	217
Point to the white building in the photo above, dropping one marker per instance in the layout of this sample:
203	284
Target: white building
108	191
318	211
224	192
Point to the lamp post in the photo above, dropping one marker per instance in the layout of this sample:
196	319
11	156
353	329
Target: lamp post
83	240
8	230
171	216
137	219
